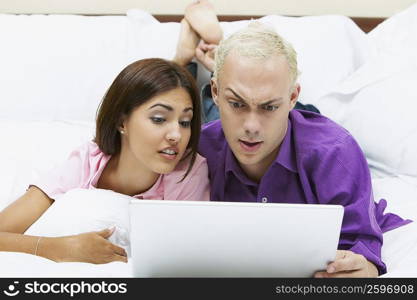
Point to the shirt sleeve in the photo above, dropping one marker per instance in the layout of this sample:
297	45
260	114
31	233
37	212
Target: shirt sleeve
342	177
68	175
194	187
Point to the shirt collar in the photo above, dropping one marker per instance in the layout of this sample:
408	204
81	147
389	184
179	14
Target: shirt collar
286	156
233	167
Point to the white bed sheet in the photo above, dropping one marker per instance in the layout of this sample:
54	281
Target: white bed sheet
25	265
400	245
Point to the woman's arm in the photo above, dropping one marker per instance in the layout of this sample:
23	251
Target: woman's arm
22	213
15	219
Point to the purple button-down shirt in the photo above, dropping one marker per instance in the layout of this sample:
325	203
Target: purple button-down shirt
318	162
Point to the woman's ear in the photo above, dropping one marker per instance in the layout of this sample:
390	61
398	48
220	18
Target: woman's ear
122	126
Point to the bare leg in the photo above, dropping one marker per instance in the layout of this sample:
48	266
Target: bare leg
202	18
187	42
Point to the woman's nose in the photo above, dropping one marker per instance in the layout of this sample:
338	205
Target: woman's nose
174	134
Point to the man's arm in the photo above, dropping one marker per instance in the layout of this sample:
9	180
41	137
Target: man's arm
343	178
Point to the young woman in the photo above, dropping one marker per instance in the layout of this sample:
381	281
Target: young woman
147	132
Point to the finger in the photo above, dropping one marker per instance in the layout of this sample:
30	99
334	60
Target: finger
321	274
211	47
121	258
342	254
119	250
201	45
324	274
106	233
211	53
208	47
352	274
199	54
350	262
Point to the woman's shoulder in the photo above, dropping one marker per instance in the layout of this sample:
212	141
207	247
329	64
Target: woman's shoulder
76	171
88	152
89	148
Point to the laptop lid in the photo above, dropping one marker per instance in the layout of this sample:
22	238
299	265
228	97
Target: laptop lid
225	239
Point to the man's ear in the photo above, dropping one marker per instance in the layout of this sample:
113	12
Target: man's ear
214	90
294	95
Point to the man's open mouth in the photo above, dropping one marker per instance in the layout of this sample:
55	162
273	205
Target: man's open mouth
250	146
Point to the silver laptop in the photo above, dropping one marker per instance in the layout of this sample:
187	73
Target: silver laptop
225	239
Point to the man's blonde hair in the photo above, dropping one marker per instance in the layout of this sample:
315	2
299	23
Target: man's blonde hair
256	41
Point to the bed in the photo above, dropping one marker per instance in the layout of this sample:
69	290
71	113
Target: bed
56	68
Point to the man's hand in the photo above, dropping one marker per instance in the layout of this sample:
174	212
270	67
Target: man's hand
348	264
91	247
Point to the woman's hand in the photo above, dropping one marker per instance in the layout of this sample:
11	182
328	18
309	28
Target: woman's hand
90	247
348	264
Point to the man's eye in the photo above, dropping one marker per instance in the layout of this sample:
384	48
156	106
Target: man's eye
185	124
270	107
236	104
157	120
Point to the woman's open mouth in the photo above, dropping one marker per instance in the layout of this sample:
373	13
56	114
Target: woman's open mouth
250	146
169	154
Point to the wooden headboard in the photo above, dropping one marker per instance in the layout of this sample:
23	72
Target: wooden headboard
366	24
366	13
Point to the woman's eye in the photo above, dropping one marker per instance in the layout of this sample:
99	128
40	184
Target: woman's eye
270	107
157	120
185	124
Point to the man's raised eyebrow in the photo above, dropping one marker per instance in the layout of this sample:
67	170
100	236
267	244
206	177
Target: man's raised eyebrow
236	95
271	101
167	107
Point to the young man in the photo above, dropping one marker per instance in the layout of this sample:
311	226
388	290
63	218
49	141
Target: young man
261	150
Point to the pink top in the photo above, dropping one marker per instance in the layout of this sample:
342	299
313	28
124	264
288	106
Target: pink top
85	165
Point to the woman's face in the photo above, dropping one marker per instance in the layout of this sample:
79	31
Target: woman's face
156	134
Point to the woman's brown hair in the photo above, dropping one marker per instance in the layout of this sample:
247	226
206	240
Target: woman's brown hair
135	85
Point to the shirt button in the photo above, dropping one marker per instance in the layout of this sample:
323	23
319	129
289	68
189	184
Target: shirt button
264	199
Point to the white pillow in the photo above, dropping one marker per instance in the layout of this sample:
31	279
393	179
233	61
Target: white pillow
148	38
31	148
85	210
58	67
329	48
377	103
397	36
382	118
392	49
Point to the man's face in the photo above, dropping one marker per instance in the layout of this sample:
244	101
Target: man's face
254	97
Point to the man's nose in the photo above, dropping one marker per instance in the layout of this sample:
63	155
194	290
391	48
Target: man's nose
252	125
